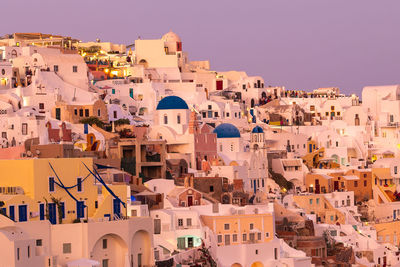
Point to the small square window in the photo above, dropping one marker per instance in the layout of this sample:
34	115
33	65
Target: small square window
226	226
67	248
219	238
74	68
180	222
39	242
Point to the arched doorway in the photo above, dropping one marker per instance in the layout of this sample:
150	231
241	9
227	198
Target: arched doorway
263	95
141	249
257	264
144	63
110	250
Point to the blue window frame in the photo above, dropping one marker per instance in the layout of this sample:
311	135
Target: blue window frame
113	91
131	92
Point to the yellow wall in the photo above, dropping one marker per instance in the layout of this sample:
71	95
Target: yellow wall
320	206
240	224
33	176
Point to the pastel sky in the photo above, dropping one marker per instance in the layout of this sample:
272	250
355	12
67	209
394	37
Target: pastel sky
301	44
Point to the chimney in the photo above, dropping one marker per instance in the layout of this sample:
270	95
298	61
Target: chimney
193	123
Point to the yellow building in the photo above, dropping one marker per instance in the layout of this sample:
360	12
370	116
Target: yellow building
319	205
240	228
388	232
74	113
61	190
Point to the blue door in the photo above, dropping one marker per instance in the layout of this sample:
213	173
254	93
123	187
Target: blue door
310	148
52	213
23	213
11	213
80	209
116	207
41	211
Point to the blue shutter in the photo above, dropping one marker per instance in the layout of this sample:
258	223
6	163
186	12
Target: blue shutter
23	213
41	211
79	187
11	213
80	209
52	213
51	184
62	206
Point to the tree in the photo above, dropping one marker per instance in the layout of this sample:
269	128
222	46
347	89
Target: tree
121	122
92	120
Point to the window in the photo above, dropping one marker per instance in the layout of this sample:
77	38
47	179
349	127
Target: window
227	114
209	107
62	209
115	114
17	253
67	248
113	91
256	251
55	68
41	105
365	183
267	234
355	183
395	169
86	113
215	114
189	221
259	236
105	263
226	226
312	108
81	112
317	201
74	68
24	129
276	253
39	242
75	112
51	184
219	238
251	226
252	236
29	251
244	238
98	112
180	222
79	184
211	188
234	238
310	201
165	119
178	119
96	204
104	243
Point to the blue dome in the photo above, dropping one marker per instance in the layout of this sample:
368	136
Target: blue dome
172	102
257	129
226	130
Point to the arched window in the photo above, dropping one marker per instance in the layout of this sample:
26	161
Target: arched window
178	118
165	119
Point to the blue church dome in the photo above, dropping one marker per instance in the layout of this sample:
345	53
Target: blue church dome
172	102
257	129
226	130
